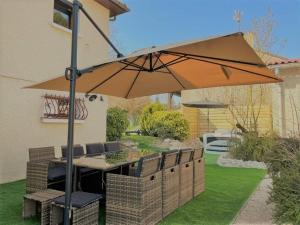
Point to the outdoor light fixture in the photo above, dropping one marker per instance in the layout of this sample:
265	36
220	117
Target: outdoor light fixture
101	99
91	97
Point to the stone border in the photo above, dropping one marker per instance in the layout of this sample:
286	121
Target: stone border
224	160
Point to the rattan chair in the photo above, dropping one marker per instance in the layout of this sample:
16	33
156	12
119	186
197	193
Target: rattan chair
77	151
85	209
135	200
40	171
95	149
199	175
185	176
39	203
170	182
113	146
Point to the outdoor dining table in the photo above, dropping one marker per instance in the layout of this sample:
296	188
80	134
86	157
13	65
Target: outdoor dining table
104	163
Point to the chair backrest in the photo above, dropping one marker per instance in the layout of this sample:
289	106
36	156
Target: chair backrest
41	154
169	159
95	149
185	155
77	151
148	165
113	146
198	153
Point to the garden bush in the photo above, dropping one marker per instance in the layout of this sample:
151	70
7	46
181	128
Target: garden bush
116	123
284	167
169	124
146	117
251	147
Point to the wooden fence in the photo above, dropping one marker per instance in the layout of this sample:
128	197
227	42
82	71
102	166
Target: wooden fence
222	119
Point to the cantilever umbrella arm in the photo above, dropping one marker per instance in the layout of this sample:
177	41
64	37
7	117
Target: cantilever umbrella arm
71	74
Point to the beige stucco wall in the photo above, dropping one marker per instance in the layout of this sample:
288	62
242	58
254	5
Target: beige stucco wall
33	49
286	101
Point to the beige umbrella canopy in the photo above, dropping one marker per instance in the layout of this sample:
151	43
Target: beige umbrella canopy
219	61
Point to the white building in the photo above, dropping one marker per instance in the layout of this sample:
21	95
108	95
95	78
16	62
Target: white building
35	41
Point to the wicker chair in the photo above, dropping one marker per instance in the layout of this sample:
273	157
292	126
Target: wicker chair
77	151
185	176
199	175
113	146
85	209
170	182
40	172
95	149
39	203
135	200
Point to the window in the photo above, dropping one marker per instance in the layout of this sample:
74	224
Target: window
57	107
62	14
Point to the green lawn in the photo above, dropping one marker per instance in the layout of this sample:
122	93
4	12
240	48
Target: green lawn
226	191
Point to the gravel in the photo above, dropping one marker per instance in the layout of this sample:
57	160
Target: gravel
225	161
256	210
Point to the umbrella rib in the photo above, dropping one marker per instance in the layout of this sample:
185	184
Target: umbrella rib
175	61
173	75
111	76
233	67
131	64
208	57
136	77
157	58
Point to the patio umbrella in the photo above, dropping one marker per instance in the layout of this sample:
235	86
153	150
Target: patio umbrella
205	105
219	61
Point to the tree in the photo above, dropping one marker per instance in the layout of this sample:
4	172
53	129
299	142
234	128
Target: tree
133	106
245	107
116	123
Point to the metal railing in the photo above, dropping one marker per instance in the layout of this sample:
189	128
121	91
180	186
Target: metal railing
57	107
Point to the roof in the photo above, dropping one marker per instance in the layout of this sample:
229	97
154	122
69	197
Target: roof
286	61
115	6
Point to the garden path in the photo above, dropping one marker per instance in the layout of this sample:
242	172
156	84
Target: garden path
256	211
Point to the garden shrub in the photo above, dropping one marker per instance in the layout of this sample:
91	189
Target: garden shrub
284	167
169	124
116	123
146	117
251	147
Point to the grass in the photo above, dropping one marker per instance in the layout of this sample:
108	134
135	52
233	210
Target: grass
226	191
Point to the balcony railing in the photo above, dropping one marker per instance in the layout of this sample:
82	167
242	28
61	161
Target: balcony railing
57	107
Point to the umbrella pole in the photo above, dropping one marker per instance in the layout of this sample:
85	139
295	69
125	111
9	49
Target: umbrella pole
71	74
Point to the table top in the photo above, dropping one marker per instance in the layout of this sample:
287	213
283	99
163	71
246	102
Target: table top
105	161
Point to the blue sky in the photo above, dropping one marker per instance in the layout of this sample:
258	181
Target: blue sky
158	22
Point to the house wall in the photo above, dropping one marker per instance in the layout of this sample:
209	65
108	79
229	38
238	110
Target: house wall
286	101
33	49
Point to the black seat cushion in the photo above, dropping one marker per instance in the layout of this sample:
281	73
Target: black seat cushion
95	149
56	173
80	199
112	146
77	151
86	170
